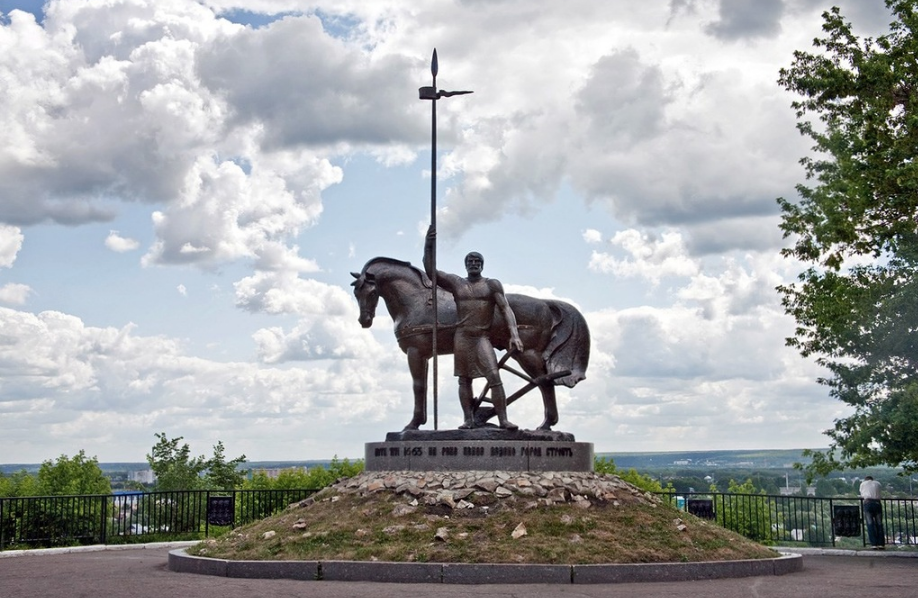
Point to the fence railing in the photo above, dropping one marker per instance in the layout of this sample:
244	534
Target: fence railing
804	520
47	521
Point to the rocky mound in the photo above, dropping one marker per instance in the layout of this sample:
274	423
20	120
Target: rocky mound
452	488
483	517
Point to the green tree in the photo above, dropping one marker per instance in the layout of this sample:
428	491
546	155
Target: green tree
644	482
315	478
825	487
50	522
745	510
176	469
20	483
320	477
856	226
223	474
173	465
72	475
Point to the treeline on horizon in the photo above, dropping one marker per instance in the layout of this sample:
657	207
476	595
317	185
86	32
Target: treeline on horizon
767	458
739	471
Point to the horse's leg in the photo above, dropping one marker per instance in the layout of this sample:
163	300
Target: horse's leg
532	363
550	403
417	364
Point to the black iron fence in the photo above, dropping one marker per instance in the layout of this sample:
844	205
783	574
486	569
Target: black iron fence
803	520
47	521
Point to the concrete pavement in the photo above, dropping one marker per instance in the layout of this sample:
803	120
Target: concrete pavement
142	573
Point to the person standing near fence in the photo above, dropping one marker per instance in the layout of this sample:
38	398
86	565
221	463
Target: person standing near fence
873	512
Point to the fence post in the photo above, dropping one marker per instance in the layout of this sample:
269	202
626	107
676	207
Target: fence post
104	526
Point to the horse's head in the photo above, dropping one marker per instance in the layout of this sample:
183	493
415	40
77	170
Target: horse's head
367	296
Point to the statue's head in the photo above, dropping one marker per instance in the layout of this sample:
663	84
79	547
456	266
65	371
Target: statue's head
474	263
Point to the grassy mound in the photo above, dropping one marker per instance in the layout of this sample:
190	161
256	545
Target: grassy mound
366	520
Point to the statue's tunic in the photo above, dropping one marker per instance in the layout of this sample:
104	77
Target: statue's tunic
473	352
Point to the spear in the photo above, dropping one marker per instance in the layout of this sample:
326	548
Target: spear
431	93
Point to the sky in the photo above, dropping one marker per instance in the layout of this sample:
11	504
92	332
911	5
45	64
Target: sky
186	186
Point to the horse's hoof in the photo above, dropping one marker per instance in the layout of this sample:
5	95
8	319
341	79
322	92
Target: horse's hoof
545	427
506	425
468	424
410	427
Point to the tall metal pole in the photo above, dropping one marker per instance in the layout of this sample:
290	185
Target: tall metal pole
434	67
431	93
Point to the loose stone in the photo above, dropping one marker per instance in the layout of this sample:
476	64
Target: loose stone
554	488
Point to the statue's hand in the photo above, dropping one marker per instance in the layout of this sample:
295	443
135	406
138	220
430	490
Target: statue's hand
516	345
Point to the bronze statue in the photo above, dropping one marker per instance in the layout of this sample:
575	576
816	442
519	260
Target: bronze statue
473	354
554	334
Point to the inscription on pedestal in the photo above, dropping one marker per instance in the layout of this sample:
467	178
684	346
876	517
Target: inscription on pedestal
479	455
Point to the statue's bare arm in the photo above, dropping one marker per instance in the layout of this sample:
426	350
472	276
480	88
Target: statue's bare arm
515	343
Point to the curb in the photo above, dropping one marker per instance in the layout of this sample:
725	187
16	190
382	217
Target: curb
468	573
890	552
94	548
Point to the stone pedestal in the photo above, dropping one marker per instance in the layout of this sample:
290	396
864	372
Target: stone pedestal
480	449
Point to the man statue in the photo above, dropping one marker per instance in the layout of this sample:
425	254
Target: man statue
476	297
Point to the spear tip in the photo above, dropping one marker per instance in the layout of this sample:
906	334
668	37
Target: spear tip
434	67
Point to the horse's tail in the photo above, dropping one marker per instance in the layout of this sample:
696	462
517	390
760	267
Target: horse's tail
569	345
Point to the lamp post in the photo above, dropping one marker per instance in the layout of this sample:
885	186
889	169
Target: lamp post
431	93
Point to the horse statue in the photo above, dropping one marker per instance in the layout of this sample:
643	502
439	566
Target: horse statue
555	336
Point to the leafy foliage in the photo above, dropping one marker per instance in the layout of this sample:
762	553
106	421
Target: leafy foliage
176	469
51	522
315	478
748	512
856	225
18	484
73	475
222	474
644	482
77	475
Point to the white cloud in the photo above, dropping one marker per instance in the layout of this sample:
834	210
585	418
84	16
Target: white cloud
648	257
14	293
287	293
61	379
315	339
182	290
11	238
712	372
119	244
592	236
225	214
541	293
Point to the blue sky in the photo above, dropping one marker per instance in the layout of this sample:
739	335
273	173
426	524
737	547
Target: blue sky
186	186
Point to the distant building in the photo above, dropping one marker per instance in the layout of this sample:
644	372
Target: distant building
794	490
144	476
273	473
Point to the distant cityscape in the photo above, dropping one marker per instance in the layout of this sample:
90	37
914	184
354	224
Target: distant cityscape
771	471
131	474
757	459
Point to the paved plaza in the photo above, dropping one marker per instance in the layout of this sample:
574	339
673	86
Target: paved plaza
142	573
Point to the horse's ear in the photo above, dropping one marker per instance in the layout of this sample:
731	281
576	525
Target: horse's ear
355	275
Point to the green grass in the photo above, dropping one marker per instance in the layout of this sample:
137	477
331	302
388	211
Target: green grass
355	527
